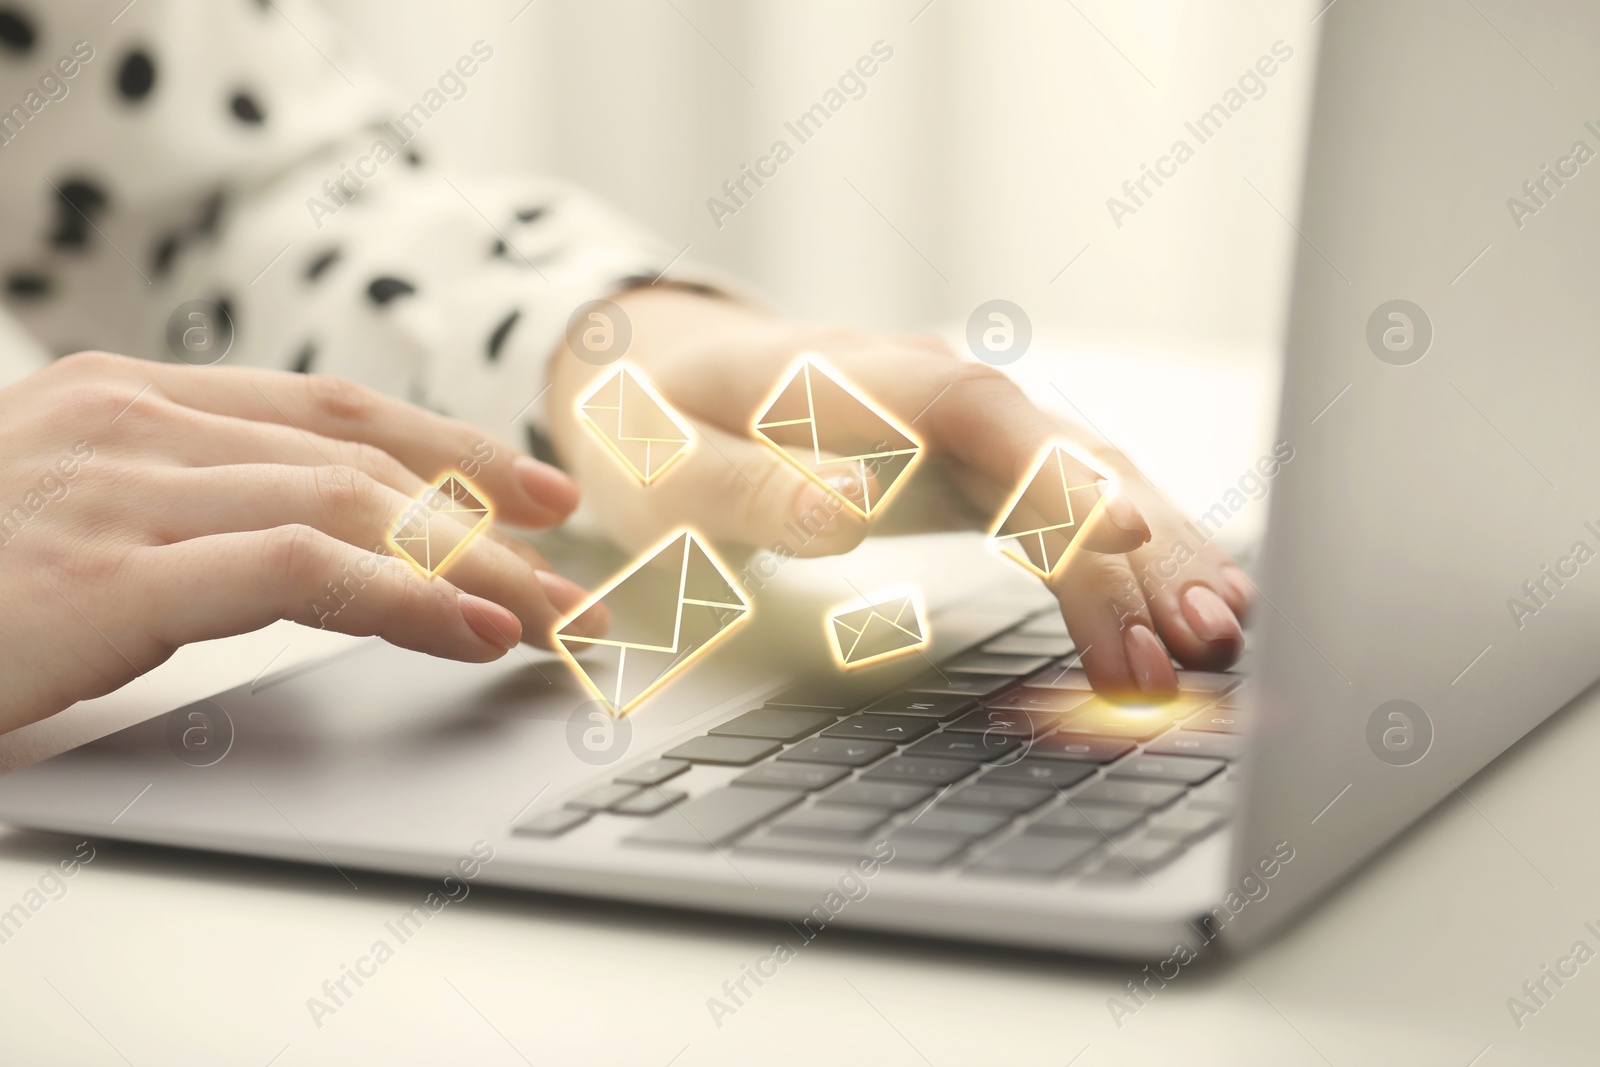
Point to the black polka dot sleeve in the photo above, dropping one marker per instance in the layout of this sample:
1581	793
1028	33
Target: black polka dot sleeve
234	155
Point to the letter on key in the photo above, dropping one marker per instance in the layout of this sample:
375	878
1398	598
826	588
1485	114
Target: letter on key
667	610
1058	501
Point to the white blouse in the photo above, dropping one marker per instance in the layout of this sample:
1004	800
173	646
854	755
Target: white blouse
184	156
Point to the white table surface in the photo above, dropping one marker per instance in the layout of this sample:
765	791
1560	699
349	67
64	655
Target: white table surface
154	957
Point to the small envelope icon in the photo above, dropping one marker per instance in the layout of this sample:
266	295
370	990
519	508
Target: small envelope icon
819	414
434	529
1043	521
667	610
636	423
888	622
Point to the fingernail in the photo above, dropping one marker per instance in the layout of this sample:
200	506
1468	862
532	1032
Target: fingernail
1239	583
550	489
1126	515
1209	615
1148	660
490	621
565	595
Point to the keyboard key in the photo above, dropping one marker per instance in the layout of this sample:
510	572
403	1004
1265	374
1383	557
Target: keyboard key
1086	818
1138	722
1080	747
649	801
601	797
888	796
1029	645
1190	770
822	694
734	751
923	705
919	769
915	847
1032	856
1047	624
989	663
551	823
1041	701
969	823
653	773
837	750
1133	794
715	818
1216	795
1015	799
1186	824
1149	853
1002	722
822	846
776	724
830	822
1209	682
1196	743
971	685
1069	678
880	728
976	747
1218	721
1055	774
806	776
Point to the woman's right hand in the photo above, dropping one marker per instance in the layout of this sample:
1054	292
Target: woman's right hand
145	506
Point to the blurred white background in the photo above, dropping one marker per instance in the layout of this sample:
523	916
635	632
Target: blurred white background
977	164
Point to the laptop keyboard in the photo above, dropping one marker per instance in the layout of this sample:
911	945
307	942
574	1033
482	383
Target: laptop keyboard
1000	762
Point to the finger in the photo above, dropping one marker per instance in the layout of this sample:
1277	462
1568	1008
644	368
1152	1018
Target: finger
1111	624
736	490
969	412
347	504
525	491
235	583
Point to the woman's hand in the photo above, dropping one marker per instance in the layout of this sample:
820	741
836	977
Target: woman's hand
144	506
1142	591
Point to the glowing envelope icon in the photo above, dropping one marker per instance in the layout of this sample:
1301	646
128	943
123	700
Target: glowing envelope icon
667	610
636	423
435	529
1044	520
887	623
819	414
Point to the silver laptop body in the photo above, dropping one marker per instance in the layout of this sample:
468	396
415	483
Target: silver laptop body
1424	605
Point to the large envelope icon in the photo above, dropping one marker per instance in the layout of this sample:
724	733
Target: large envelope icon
1047	516
435	529
889	622
821	416
666	610
636	423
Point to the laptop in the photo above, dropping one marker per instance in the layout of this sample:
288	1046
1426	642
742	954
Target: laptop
1426	601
